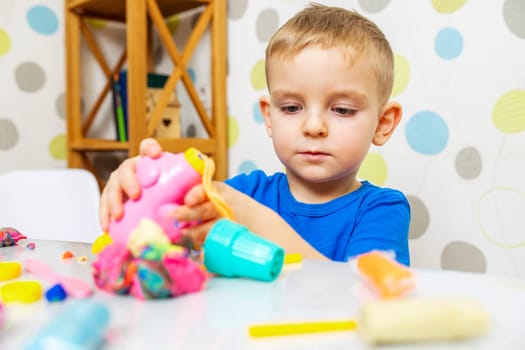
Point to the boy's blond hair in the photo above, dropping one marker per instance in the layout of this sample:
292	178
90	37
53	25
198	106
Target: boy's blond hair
328	27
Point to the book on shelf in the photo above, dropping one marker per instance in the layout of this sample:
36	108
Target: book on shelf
169	123
118	110
123	84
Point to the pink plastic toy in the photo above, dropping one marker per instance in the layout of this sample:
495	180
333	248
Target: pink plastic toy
164	182
75	287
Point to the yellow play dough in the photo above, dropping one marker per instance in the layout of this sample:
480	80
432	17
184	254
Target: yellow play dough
101	242
10	270
147	232
21	291
422	319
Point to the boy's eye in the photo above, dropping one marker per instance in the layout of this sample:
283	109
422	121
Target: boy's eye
290	108
344	111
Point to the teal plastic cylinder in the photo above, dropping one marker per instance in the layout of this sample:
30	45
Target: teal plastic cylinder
231	250
80	325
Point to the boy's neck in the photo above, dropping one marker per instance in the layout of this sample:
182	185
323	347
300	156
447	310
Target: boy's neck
317	193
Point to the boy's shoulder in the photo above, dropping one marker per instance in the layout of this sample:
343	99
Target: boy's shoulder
374	192
257	174
256	178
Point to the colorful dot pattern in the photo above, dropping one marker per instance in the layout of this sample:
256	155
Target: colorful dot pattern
458	153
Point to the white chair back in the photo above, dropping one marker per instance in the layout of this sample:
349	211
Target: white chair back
53	204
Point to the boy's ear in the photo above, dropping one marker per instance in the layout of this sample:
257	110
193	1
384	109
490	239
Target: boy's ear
264	105
388	121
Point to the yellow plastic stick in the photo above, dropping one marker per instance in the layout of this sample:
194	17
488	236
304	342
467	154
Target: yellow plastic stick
293	258
271	330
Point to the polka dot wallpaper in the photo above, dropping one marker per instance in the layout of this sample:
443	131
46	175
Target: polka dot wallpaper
458	154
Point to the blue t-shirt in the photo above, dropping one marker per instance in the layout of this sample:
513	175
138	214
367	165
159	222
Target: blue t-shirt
366	219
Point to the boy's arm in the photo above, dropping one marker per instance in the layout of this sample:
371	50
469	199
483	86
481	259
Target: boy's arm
383	225
268	224
258	218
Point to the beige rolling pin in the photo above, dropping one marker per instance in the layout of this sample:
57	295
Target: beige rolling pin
422	319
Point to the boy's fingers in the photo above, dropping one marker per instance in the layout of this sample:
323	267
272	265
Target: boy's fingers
116	209
111	200
150	147
126	179
122	184
195	196
103	216
110	204
198	233
203	212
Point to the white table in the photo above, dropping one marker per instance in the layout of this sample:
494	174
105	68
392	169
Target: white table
219	316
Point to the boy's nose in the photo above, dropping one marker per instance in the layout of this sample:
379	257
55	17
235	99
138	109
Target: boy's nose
315	125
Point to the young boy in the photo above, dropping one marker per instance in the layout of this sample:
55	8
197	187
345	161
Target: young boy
330	75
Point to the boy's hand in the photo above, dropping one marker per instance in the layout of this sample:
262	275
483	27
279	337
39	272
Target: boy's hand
197	207
123	184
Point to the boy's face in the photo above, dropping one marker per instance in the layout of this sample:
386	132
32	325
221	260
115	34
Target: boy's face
322	114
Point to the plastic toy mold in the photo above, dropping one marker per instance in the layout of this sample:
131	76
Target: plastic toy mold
164	182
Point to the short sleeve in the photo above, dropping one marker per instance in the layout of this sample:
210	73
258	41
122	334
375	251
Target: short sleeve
382	224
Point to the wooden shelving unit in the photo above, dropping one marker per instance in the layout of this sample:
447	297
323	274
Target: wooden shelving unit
140	17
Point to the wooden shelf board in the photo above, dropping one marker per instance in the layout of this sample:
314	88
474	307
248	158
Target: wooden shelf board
99	145
172	145
116	9
206	146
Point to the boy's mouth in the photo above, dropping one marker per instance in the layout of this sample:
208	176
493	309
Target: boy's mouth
313	154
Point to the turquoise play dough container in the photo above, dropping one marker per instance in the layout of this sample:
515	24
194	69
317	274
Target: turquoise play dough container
80	325
231	250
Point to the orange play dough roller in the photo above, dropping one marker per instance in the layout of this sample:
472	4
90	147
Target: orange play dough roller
386	276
